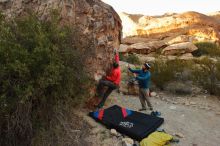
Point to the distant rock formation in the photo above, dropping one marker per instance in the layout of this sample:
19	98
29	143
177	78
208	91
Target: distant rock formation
201	26
215	15
94	18
147	34
130	24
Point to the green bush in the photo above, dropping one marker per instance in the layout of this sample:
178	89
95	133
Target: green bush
166	71
130	58
203	72
41	70
179	88
206	73
121	56
207	48
161	73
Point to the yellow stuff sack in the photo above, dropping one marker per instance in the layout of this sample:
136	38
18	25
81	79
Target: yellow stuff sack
156	139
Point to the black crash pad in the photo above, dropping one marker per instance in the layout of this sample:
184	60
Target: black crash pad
128	122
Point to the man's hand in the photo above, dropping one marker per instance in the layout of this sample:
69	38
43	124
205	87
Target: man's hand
135	75
128	66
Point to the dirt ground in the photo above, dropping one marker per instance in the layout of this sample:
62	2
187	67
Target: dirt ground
195	119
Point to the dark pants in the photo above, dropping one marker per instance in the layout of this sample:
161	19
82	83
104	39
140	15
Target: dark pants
110	87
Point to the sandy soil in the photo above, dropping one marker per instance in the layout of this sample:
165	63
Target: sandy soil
197	119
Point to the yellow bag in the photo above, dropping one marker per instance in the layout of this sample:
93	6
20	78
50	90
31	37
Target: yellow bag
156	139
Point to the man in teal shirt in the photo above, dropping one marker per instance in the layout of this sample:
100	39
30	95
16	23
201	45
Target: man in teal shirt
143	78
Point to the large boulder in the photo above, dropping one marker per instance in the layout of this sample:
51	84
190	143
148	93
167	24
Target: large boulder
146	58
95	19
125	86
187	56
179	39
178	49
142	48
123	48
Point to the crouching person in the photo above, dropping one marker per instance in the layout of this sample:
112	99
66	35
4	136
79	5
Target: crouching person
111	82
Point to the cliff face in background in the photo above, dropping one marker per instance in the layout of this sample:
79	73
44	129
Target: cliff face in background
215	15
93	18
201	26
170	34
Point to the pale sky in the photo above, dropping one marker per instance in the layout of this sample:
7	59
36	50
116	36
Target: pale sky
158	7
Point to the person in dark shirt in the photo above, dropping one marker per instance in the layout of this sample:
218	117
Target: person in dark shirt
143	78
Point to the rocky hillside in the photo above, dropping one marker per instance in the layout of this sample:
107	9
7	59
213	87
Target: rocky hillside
171	32
192	23
93	18
216	15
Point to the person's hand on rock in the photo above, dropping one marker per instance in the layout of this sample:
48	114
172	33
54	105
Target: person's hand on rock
128	66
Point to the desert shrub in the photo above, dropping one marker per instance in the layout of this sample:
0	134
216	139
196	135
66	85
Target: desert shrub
203	72
206	73
130	58
41	75
121	56
161	73
165	71
159	51
179	88
207	48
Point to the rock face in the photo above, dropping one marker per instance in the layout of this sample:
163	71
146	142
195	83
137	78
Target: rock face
93	18
201	26
146	48
215	15
180	48
179	39
130	24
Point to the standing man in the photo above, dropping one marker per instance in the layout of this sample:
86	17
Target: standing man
143	78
